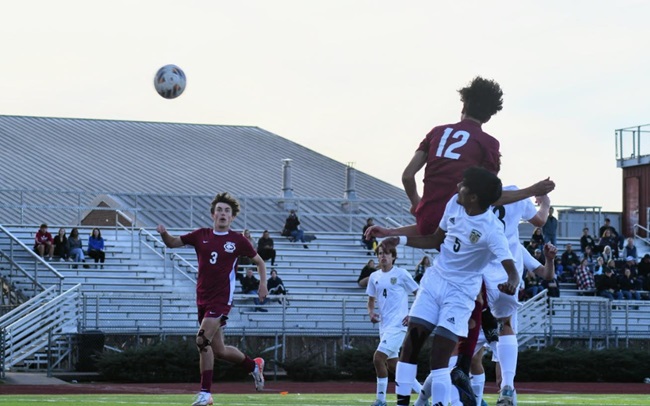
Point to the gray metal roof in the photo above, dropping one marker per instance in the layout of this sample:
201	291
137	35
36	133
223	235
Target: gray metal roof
125	158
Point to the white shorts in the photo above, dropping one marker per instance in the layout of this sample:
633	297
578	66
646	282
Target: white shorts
390	342
503	305
443	304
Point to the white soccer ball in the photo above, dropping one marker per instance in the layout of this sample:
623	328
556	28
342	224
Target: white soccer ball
170	81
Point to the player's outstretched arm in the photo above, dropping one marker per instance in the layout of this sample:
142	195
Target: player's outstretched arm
511	286
541	216
543	187
408	178
547	272
169	240
382	232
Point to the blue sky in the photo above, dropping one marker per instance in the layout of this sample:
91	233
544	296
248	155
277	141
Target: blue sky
359	81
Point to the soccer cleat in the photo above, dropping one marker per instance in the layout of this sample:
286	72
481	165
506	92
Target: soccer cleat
461	381
378	403
258	374
506	396
203	399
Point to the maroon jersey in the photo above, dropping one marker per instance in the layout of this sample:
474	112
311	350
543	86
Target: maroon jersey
450	150
217	254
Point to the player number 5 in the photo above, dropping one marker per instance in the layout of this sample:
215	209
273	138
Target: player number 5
447	151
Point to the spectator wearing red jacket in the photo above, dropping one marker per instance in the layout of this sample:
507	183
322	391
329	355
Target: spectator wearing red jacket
43	242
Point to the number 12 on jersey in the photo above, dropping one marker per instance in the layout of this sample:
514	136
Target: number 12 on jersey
448	151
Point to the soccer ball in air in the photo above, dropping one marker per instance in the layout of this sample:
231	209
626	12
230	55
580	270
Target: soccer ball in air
169	81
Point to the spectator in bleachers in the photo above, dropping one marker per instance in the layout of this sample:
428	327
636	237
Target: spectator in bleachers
292	228
365	273
607	285
570	259
643	271
61	245
614	234
75	248
250	286
584	279
96	247
532	284
44	243
371	241
537	254
588	254
276	286
628	283
243	261
425	263
586	240
549	230
537	237
265	247
552	287
630	250
607	254
249	237
599	267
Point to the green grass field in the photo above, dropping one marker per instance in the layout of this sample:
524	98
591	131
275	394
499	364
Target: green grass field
298	399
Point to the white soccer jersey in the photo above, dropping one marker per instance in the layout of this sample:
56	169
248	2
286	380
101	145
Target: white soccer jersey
510	215
391	290
530	263
470	244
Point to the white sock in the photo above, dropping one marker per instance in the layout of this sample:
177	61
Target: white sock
404	376
425	392
452	361
382	386
508	349
478	385
440	386
417	386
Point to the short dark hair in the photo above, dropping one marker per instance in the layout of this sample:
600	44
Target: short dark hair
43	225
225	197
482	98
484	184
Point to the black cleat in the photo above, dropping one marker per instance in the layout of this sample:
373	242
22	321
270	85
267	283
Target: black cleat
461	381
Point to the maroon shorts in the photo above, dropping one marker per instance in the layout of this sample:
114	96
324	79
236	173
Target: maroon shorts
428	216
214	310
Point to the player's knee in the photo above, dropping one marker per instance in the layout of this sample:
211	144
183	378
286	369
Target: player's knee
202	342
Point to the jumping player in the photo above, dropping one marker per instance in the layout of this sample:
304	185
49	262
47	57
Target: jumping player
217	250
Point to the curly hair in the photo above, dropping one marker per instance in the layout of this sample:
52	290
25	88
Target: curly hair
482	98
225	197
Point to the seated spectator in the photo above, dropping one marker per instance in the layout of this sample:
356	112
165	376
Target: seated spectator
425	263
588	254
265	247
96	247
631	262
630	250
570	259
292	228
44	243
371	244
599	268
552	287
365	273
628	284
607	240
75	248
242	261
537	254
276	287
607	254
532	284
586	240
584	280
250	285
643	271
61	245
607	286
613	233
247	234
533	246
538	237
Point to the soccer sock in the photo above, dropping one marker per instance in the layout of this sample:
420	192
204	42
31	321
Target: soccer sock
206	380
452	362
466	346
441	386
382	385
404	376
478	385
248	364
416	387
508	350
425	392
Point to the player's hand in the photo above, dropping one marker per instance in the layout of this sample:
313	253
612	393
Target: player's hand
376	231
550	251
161	229
542	199
543	187
374	318
389	243
262	292
508	288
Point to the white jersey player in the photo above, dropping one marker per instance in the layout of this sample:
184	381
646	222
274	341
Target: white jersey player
388	289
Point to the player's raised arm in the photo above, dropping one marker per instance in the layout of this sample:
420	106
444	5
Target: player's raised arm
169	240
540	188
542	213
408	178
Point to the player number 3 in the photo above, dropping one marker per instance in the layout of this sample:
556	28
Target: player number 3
213	257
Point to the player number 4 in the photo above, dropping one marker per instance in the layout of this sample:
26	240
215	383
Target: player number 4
448	151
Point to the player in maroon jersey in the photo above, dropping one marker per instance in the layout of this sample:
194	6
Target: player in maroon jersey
217	250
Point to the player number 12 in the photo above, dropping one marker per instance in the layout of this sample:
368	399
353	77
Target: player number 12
448	151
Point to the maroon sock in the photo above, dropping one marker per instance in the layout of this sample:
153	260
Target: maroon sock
466	346
248	364
206	381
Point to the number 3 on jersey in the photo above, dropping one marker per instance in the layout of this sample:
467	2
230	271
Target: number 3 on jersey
448	151
213	257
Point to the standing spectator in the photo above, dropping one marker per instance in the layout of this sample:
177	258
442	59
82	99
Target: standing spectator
389	290
586	240
43	242
265	247
538	237
606	241
550	228
585	280
369	241
292	228
75	248
628	284
630	250
96	247
365	273
607	285
425	263
570	259
217	249
250	286
276	286
61	245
